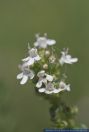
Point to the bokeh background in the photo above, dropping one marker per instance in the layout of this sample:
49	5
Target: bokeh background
66	21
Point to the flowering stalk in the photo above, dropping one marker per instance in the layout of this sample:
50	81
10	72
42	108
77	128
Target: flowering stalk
43	67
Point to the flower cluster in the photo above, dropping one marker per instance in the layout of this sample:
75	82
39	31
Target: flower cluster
43	66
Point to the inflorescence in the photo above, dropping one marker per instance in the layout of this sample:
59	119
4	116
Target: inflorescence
43	66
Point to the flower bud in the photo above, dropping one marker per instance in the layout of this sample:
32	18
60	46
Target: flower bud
71	122
52	59
45	66
63	124
83	126
54	76
74	110
47	53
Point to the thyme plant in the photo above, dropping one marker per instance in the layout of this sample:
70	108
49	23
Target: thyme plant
43	66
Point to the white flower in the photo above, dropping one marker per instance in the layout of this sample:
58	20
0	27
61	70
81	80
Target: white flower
51	89
43	78
63	86
33	57
66	58
25	75
43	42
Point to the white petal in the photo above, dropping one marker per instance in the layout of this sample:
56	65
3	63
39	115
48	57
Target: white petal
24	79
68	87
32	75
68	61
59	90
37	58
41	90
36	44
30	62
61	61
44	80
33	52
62	84
39	84
49	77
56	91
51	42
25	59
73	60
43	45
63	53
48	92
41	73
19	76
68	57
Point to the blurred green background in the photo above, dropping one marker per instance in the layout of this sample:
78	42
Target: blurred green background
66	21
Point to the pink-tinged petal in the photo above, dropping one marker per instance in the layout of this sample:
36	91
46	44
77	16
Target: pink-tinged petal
51	42
41	90
19	76
24	79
